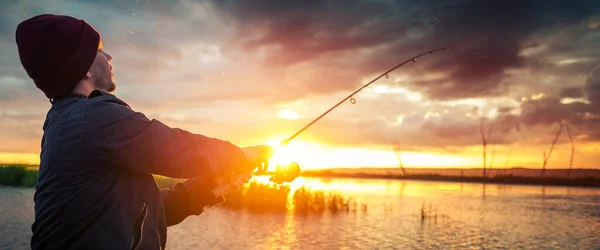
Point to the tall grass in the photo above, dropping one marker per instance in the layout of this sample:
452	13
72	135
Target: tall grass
484	143
572	149
18	175
428	214
259	198
547	156
268	197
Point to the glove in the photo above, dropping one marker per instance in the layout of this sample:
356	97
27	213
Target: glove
199	195
258	157
230	184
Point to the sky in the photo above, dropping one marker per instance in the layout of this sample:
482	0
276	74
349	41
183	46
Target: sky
255	72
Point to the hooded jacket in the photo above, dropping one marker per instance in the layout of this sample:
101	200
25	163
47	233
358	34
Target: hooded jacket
96	188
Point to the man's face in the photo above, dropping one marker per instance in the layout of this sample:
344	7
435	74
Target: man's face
101	71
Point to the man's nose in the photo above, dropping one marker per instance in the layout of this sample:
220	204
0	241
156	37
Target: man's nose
108	57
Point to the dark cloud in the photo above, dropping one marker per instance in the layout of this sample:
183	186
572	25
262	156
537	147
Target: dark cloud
488	36
592	86
549	111
449	129
571	92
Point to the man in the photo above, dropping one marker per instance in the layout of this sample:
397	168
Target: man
96	189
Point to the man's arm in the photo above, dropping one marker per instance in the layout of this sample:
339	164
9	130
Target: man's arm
127	138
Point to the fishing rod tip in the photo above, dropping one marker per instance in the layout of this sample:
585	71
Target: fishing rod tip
285	142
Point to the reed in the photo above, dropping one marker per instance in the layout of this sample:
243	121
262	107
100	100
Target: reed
428	214
18	175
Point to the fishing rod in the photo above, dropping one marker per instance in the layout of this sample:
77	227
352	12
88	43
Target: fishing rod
351	97
352	100
290	172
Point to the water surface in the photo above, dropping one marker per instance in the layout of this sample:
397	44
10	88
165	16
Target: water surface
463	216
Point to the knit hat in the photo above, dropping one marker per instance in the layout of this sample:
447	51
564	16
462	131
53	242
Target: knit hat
56	51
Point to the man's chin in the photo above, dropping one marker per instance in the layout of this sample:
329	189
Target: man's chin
108	88
112	87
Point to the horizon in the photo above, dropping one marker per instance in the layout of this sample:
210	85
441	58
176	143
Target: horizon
208	69
473	168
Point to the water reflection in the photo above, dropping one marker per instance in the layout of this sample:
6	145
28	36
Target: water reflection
361	187
483	191
456	216
543	191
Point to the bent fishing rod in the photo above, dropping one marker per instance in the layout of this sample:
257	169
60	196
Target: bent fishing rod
289	173
351	96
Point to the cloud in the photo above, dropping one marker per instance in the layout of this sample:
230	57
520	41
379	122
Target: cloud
487	42
571	92
592	86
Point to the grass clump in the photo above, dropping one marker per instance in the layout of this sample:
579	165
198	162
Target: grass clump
307	201
18	175
428	214
259	197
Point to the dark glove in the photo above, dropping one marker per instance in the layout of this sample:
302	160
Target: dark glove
199	195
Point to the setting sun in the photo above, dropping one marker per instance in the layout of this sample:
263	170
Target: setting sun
295	151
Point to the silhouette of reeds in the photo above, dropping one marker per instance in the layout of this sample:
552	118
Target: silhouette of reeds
18	175
259	197
307	201
428	214
547	156
484	143
572	149
398	151
268	197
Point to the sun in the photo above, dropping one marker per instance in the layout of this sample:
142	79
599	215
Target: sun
300	152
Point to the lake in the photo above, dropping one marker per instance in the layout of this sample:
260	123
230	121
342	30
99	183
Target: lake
463	216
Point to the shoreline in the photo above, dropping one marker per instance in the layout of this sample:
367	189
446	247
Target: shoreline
593	182
26	176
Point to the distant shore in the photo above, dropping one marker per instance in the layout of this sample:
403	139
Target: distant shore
26	176
497	179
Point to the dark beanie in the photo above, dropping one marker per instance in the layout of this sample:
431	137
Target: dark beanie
56	51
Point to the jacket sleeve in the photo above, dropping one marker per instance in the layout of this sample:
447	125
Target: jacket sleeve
188	198
126	138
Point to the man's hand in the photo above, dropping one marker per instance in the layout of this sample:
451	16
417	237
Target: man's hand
258	156
231	184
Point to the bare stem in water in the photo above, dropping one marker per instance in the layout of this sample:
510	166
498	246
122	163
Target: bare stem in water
572	149
547	156
398	151
485	140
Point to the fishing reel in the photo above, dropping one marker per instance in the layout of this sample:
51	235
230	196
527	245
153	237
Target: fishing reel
282	173
286	173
